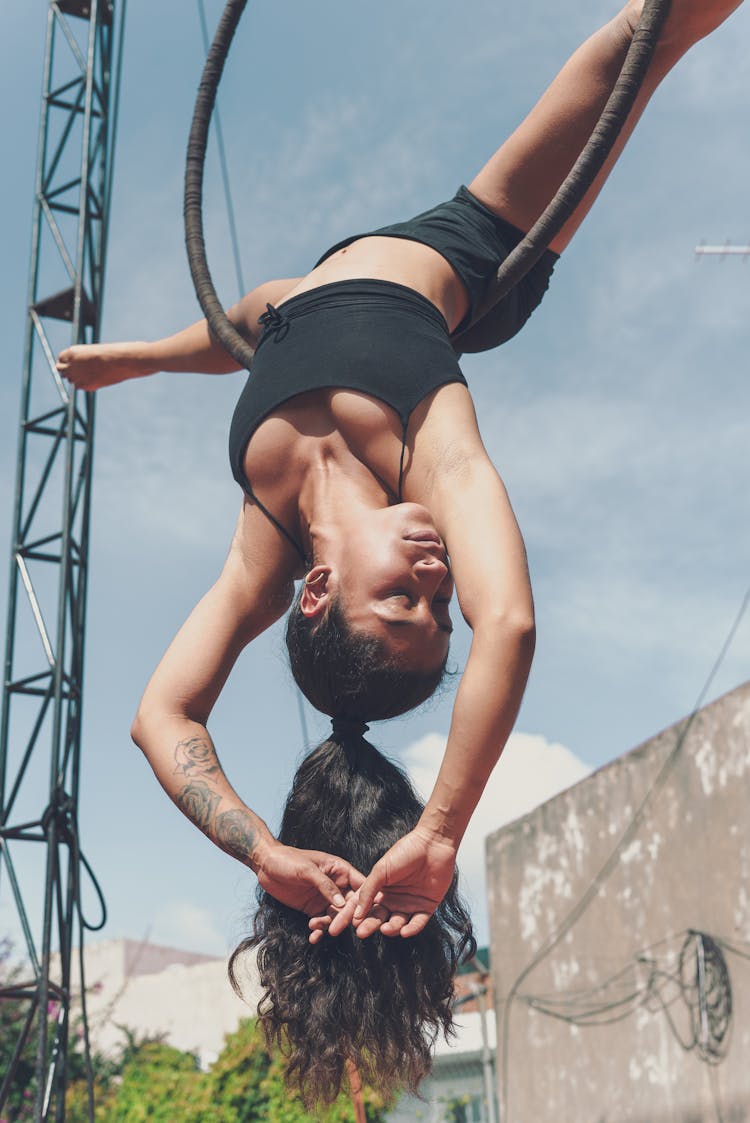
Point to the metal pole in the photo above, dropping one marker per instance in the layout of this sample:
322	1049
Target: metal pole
479	990
488	1069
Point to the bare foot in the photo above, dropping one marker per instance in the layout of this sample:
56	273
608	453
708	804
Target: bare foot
95	365
688	21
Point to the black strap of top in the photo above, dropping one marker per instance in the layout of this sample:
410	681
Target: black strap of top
404	427
279	526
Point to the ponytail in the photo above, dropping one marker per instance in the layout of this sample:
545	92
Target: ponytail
378	1003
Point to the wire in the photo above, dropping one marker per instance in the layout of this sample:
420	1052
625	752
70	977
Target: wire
61	811
242	289
698	978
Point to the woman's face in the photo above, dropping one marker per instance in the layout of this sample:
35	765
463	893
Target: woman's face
393	580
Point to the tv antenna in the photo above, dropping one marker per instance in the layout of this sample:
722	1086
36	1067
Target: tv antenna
727	250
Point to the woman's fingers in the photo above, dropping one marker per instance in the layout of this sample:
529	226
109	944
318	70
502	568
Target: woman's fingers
394	924
342	872
319	923
356	879
333	877
380	918
328	889
318	927
368	891
335	921
377	916
343	917
416	925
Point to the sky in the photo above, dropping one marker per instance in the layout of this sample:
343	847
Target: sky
617	419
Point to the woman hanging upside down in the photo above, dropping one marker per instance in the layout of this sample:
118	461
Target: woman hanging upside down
364	475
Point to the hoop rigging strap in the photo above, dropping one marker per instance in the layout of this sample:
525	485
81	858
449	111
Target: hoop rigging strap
516	265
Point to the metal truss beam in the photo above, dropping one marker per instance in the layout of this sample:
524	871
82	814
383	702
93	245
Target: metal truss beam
40	726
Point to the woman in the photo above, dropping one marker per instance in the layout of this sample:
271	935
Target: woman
356	391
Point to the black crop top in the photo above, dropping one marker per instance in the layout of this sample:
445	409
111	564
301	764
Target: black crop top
377	337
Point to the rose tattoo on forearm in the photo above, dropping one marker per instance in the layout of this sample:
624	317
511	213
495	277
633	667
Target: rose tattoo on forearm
195	756
199	803
197	762
235	833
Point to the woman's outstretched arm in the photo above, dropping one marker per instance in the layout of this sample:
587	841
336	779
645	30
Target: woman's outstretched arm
96	365
170	726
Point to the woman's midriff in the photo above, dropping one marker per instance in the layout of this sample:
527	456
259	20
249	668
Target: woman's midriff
398	260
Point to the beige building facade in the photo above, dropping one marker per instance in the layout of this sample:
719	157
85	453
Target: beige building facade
152	990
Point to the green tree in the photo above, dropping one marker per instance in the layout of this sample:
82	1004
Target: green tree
106	1072
151	1082
237	1075
77	1101
13	1013
159	1084
148	1080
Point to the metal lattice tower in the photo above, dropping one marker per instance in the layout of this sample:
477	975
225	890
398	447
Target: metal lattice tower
40	730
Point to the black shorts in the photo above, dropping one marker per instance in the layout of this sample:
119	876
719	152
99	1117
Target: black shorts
475	241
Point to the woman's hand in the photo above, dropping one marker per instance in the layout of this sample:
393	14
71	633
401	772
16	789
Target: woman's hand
307	880
401	892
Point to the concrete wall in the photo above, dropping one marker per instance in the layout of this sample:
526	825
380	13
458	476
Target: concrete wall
154	990
622	987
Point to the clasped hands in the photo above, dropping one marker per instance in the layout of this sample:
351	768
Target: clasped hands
397	897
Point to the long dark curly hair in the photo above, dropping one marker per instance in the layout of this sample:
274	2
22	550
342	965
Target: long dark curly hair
350	674
381	1002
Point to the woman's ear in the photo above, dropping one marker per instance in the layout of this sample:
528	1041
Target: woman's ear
316	592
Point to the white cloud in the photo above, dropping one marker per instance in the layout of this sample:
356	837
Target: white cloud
531	770
182	924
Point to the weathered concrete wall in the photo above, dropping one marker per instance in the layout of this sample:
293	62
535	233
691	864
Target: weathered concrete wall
609	1006
154	991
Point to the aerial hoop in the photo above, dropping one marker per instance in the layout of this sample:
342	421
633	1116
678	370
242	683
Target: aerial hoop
220	326
516	265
